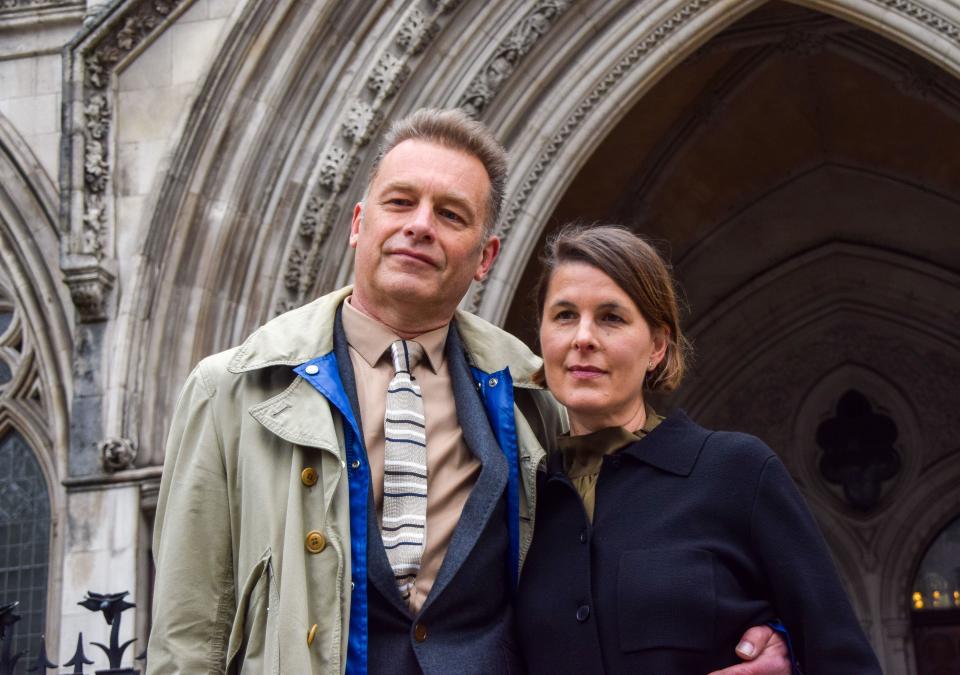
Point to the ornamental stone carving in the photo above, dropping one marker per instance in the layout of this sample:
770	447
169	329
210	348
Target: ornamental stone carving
519	41
361	123
117	454
416	31
87	252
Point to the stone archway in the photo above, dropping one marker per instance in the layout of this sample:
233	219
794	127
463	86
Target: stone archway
35	340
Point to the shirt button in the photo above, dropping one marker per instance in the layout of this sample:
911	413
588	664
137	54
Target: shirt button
583	613
312	633
355	464
419	632
309	476
312	369
583	537
316	542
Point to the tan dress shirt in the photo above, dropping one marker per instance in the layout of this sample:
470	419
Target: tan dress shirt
452	469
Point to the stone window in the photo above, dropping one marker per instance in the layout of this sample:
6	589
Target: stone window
24	539
935	601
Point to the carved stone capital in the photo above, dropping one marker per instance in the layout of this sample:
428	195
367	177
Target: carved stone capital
89	281
117	454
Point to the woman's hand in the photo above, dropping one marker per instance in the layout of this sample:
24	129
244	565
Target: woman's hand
764	653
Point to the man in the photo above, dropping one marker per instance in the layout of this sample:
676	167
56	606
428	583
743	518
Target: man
302	526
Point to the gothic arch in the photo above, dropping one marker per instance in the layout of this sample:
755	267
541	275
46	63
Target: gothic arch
34	401
272	154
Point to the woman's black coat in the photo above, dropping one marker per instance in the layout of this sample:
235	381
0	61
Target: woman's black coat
697	535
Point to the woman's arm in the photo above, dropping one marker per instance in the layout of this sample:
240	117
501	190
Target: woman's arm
806	590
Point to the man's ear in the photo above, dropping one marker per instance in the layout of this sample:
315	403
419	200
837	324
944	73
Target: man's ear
490	251
355	224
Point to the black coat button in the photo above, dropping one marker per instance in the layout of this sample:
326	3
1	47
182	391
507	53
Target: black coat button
583	613
583	537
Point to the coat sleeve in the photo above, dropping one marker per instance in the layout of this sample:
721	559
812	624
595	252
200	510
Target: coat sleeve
194	595
825	634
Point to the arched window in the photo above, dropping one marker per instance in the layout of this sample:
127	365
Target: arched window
24	538
935	601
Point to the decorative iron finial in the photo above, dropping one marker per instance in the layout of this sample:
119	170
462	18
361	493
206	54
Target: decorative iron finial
79	659
112	605
8	617
43	663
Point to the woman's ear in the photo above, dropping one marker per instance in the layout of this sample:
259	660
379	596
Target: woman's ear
661	340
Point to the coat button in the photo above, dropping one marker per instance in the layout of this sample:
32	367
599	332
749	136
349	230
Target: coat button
355	464
419	632
316	542
583	613
492	382
309	476
312	633
312	369
583	536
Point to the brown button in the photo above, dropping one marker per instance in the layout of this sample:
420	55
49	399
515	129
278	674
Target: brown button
309	476
419	632
311	634
316	542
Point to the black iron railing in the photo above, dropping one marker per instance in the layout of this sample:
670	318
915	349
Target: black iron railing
112	605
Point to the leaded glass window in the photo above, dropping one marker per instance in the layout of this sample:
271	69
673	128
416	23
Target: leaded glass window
24	539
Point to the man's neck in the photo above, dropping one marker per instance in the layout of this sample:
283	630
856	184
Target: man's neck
397	321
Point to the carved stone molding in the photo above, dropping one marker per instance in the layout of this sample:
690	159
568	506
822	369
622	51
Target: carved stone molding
504	61
117	454
89	279
10	6
636	55
92	60
926	16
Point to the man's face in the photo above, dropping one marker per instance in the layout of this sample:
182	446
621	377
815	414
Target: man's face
419	235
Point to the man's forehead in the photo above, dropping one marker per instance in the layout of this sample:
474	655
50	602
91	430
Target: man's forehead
415	161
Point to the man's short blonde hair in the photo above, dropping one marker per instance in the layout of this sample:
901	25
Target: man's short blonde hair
453	129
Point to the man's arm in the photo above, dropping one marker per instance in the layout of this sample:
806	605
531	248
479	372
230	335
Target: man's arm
194	595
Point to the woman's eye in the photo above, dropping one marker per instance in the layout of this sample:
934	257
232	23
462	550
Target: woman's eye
613	318
564	315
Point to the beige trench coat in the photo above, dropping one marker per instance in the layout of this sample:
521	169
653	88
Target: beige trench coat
239	587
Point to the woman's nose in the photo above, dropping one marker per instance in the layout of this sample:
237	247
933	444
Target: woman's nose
585	339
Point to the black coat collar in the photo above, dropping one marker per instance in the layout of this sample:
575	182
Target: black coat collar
673	446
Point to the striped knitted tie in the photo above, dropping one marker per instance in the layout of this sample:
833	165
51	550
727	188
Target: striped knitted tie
404	525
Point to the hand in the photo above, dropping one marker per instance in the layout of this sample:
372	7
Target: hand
764	651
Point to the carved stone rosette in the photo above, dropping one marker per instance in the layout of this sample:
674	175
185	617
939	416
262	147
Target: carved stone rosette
86	183
117	454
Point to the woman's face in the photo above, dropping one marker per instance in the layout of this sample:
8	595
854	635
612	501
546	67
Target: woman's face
597	348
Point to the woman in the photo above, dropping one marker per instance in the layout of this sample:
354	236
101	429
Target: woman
658	542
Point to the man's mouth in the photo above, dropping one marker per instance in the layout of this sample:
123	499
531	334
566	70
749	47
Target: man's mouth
413	255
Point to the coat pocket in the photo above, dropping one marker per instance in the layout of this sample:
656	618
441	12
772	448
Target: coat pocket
246	649
666	599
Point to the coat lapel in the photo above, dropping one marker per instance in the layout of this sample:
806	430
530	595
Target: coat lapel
491	482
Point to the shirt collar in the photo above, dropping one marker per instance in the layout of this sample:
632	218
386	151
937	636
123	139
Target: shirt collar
372	339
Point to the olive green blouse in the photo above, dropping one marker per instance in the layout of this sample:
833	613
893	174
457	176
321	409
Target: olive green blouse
583	455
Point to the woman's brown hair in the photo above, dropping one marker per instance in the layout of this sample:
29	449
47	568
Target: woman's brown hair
636	267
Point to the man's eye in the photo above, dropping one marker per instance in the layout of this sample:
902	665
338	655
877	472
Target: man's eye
451	215
399	201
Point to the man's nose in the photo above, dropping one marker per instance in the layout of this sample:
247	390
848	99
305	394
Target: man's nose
420	226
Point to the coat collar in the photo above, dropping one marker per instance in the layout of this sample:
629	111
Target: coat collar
673	446
307	332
